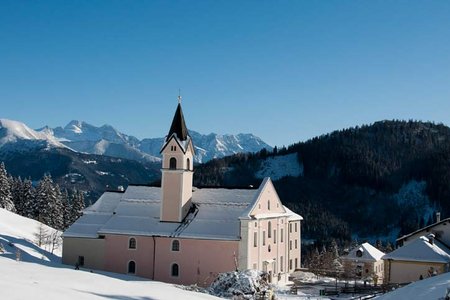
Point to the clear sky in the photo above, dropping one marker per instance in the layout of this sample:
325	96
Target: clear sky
283	70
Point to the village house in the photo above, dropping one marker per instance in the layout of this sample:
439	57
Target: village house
181	234
365	263
418	259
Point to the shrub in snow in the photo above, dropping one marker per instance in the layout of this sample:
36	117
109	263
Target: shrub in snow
245	284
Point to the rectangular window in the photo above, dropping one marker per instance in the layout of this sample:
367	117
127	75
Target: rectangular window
295	244
290	227
264	238
295	227
296	263
281	235
274	236
281	263
290	245
290	264
255	239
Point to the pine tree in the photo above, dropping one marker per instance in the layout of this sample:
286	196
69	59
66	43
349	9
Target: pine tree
28	199
67	220
16	192
47	202
58	210
77	205
5	190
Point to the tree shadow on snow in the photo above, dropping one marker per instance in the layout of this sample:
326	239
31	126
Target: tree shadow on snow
21	249
121	297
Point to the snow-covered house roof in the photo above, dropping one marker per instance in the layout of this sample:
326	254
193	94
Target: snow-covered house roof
216	215
424	230
365	252
421	250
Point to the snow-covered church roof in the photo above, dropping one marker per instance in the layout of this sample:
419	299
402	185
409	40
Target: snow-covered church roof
365	252
136	211
421	250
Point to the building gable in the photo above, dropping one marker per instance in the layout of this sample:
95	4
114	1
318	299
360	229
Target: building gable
266	201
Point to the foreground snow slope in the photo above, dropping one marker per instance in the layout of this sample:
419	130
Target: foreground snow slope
23	280
427	289
39	275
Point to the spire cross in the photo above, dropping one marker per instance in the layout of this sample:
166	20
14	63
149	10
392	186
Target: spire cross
179	96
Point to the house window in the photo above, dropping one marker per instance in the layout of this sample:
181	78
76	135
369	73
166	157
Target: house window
264	238
359	253
290	227
290	245
255	239
281	235
175	270
281	263
290	264
176	245
295	227
256	224
269	231
295	244
131	267
268	204
132	243
296	263
173	163
274	236
270	249
173	148
188	163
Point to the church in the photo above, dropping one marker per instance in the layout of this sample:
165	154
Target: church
178	233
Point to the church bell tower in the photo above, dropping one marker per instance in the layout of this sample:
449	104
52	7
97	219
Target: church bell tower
177	170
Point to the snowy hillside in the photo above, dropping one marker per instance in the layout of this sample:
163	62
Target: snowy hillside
39	275
277	167
14	132
107	140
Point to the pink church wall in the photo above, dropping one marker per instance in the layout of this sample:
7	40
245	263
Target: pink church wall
199	261
117	254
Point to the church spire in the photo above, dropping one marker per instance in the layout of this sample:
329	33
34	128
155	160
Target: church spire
178	125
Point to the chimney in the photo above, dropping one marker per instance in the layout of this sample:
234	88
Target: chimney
438	217
431	238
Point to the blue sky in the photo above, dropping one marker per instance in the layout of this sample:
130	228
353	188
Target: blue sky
283	70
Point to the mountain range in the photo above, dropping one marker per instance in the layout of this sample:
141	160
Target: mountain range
94	159
106	140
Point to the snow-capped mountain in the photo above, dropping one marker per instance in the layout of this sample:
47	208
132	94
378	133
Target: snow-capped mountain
104	140
17	135
107	140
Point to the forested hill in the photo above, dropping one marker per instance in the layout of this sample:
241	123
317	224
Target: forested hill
378	181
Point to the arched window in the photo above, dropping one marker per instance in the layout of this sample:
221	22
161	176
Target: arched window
175	270
176	245
173	163
132	243
188	163
269	232
131	267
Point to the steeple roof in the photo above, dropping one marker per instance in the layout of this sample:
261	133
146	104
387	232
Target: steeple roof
178	125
